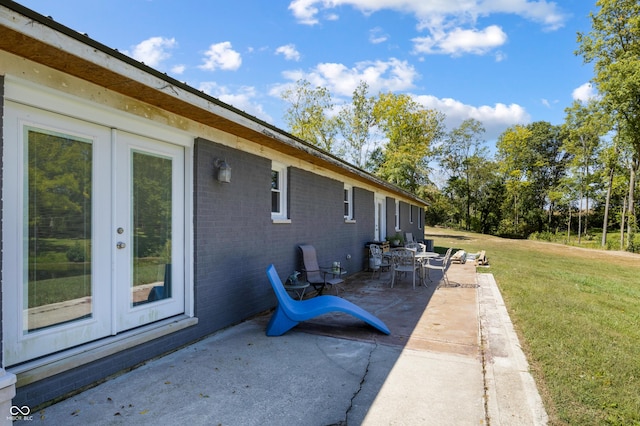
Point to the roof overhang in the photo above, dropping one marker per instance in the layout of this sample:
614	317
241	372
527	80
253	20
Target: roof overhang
35	37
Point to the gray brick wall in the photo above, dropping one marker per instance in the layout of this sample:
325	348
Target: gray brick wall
391	216
235	239
406	225
409	222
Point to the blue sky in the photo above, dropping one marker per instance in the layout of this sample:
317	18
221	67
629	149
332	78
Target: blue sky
503	62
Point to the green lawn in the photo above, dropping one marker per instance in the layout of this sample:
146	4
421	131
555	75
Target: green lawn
592	240
577	312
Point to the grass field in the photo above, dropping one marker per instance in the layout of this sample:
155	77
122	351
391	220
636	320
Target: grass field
577	313
593	240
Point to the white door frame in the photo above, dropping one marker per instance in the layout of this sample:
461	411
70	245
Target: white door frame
380	207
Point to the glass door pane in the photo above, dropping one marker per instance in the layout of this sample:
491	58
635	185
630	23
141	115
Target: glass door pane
152	219
57	235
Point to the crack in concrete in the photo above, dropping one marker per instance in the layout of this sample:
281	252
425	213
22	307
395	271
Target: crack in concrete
357	392
483	357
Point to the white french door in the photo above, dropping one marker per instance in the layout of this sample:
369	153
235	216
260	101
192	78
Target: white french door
148	230
93	233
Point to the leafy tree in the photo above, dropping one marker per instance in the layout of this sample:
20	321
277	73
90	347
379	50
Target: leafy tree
355	122
613	180
532	161
489	205
549	165
307	115
440	209
613	46
515	161
409	130
456	191
585	125
375	160
564	196
461	155
633	164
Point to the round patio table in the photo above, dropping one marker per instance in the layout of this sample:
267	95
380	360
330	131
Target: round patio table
298	288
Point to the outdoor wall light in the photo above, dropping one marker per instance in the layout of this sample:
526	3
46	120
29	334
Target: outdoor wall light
224	171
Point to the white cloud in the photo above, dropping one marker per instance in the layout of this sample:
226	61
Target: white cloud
450	23
495	119
377	36
584	93
549	104
500	56
460	41
221	56
289	51
304	11
178	69
153	51
391	75
430	13
244	99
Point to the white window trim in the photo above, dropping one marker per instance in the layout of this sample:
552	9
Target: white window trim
282	215
348	218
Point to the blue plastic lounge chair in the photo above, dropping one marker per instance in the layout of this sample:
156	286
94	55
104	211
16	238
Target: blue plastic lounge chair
290	312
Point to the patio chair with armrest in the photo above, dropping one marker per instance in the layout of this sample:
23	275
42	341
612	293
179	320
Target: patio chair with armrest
409	238
377	260
418	247
319	277
404	261
439	264
290	312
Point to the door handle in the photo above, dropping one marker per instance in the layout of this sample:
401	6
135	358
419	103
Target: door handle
121	245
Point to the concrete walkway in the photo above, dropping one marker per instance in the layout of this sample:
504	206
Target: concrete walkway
452	358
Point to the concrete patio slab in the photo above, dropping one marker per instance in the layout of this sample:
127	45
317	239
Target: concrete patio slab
452	359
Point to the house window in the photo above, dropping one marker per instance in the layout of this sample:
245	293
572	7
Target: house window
348	202
410	214
278	191
397	215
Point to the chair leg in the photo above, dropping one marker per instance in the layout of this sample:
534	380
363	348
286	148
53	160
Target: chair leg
279	323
